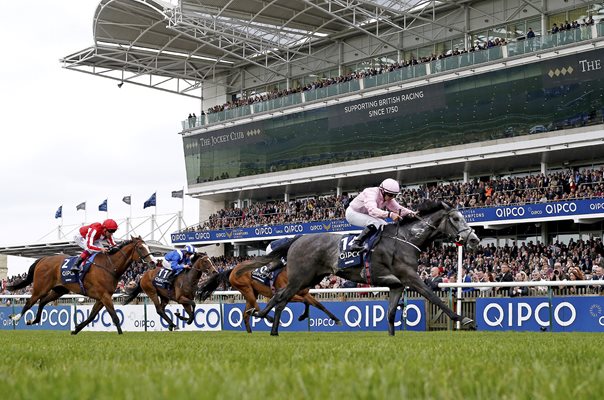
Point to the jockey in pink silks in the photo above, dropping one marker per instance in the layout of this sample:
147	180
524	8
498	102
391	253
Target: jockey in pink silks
371	207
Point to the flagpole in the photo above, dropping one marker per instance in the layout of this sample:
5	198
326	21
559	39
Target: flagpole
129	225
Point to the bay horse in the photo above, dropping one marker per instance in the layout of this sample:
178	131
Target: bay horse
99	283
183	292
394	259
250	288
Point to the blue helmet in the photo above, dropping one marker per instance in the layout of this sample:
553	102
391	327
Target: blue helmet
189	248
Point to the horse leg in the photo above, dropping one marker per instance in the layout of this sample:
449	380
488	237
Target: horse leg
417	284
52	296
309	300
269	306
249	309
189	306
28	304
394	296
93	313
160	307
108	303
282	298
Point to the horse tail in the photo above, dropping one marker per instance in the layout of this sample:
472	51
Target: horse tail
212	284
132	295
276	254
27	281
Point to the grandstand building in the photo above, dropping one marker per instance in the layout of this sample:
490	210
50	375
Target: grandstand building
311	98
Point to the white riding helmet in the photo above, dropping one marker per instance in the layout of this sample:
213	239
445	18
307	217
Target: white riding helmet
390	186
189	249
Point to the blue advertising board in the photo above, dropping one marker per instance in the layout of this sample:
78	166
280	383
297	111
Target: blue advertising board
535	212
53	318
355	316
567	314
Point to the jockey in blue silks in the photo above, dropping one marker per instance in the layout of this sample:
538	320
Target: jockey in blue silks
177	260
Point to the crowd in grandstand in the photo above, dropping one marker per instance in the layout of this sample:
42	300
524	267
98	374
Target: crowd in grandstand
514	190
353	75
523	261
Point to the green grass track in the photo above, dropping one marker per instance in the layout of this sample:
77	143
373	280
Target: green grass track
235	365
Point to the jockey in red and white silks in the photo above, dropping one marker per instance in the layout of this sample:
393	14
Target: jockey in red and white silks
91	239
372	206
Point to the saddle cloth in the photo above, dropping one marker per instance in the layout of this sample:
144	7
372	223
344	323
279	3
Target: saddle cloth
71	277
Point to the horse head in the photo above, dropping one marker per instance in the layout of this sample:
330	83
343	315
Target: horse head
454	225
141	250
448	221
202	262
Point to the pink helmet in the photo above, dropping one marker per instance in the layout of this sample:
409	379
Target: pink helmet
390	186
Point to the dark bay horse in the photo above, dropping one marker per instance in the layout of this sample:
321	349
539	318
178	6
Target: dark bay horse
99	283
394	259
250	288
185	287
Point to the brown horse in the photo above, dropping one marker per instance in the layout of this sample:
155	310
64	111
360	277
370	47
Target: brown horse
99	283
250	288
185	287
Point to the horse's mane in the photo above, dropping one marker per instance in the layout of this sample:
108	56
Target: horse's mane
430	206
120	246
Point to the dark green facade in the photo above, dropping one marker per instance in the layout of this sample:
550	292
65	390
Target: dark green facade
550	95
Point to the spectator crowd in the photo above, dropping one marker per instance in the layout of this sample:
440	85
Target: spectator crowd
514	190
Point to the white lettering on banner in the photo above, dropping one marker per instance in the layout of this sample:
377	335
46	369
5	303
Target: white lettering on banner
264	230
286	312
293	228
318	322
559	208
369	317
509	211
220	139
202	235
410	322
204	318
53	317
601	320
239	316
176	237
596	206
590	65
523	313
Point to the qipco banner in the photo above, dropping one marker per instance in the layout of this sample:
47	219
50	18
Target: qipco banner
133	319
354	315
579	314
53	318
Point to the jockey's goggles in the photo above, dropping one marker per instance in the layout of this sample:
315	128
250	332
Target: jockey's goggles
111	230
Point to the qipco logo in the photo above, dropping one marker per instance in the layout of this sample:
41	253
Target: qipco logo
204	318
103	318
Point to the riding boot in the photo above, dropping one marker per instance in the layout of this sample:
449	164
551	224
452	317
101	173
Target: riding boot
76	267
358	242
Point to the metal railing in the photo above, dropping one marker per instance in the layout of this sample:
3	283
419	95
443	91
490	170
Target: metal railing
464	60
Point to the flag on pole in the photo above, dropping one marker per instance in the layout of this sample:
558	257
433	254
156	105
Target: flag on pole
103	205
59	213
178	194
81	206
151	202
127	199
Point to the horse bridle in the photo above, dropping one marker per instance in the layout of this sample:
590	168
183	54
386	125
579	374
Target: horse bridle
457	237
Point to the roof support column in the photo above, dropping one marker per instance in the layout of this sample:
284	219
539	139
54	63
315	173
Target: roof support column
467	39
543	17
340	58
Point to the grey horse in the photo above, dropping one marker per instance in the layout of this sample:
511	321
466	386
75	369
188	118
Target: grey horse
394	259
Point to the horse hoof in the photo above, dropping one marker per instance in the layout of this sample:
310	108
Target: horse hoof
466	321
339	323
15	317
175	328
74	333
250	311
274	334
30	322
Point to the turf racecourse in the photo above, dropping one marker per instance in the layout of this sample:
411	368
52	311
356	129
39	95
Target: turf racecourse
234	365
